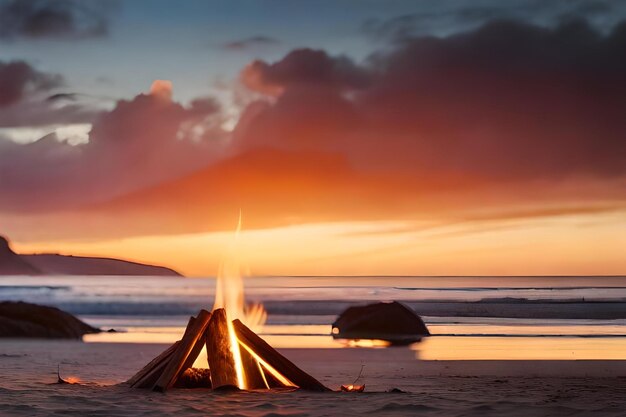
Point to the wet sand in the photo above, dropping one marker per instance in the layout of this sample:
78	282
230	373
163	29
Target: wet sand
438	388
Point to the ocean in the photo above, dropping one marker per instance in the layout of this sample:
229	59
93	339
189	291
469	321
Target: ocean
470	318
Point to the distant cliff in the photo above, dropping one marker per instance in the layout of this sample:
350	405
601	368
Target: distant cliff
12	263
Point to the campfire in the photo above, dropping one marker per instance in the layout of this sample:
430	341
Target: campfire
237	357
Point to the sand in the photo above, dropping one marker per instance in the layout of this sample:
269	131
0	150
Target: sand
437	388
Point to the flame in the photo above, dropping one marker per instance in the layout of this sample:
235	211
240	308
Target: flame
234	348
229	295
229	292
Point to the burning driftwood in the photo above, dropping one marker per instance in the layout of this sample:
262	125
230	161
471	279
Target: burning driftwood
236	356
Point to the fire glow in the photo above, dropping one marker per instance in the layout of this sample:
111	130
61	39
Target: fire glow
229	290
237	357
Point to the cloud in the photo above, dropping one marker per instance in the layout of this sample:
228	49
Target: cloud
444	18
503	118
508	101
30	102
303	67
68	19
251	43
162	90
18	78
140	142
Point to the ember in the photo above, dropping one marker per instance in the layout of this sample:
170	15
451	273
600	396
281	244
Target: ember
353	388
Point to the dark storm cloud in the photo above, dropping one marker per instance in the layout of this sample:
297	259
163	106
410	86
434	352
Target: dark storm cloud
447	17
305	67
28	98
18	78
72	19
508	100
251	43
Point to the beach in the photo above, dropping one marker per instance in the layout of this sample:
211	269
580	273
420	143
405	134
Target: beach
546	360
440	388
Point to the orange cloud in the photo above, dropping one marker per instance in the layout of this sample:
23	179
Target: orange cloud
161	89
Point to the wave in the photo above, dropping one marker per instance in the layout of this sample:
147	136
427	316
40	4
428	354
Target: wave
130	308
478	289
6	288
587	336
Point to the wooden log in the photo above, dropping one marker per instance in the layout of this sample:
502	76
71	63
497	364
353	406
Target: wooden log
151	372
219	354
194	353
183	351
192	319
152	364
152	377
270	356
252	370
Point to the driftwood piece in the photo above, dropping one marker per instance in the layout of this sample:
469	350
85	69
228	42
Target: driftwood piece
183	351
274	359
252	370
151	365
194	353
152	377
219	355
157	362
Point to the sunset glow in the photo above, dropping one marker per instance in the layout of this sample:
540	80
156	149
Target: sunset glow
581	244
489	147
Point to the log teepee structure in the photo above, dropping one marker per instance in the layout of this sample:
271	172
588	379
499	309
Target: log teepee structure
237	358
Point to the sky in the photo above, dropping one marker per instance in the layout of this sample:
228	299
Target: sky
355	137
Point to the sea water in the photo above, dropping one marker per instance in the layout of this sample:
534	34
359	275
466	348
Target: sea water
301	310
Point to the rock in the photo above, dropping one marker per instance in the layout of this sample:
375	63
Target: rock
13	264
25	320
392	322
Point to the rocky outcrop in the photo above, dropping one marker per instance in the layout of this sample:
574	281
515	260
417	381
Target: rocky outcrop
392	322
25	320
12	263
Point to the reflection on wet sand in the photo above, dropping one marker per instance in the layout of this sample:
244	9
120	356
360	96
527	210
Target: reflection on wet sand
516	346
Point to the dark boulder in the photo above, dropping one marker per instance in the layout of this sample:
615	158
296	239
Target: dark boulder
392	322
25	320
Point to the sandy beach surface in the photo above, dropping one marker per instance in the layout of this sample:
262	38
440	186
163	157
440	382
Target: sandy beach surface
439	388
